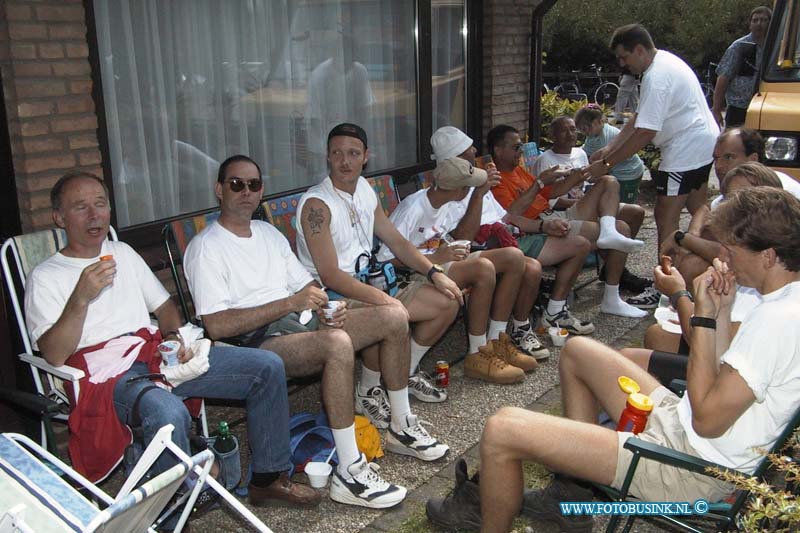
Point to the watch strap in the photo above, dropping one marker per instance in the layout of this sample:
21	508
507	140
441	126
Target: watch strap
703	322
677	295
679	235
433	270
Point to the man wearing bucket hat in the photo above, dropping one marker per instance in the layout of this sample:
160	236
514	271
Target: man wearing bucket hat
248	286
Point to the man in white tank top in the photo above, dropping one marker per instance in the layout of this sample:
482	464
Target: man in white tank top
338	219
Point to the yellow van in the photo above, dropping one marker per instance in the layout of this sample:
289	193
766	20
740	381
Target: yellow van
775	108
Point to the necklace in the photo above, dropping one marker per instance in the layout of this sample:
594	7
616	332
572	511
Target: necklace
351	208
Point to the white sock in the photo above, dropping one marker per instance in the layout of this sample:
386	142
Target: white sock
613	304
495	327
555	306
475	342
417	353
521	324
398	401
369	378
611	239
346	448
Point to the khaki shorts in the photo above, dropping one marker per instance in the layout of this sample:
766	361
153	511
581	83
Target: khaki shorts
407	292
570	214
656	482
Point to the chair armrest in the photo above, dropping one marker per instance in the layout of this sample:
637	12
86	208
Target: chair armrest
32	402
671	457
62	372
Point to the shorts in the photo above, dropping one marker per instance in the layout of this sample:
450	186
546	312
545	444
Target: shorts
532	244
657	482
570	214
629	190
680	183
472	255
735	116
408	291
666	366
286	325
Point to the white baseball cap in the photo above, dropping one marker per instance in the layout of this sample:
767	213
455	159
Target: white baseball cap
448	142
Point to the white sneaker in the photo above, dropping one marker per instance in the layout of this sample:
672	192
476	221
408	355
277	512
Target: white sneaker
365	487
415	441
527	341
375	406
421	387
566	320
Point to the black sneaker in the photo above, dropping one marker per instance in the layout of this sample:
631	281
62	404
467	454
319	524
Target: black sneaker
629	281
461	509
543	504
647	299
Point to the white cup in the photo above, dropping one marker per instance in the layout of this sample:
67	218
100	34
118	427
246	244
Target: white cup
169	352
330	308
463	243
556	336
318	474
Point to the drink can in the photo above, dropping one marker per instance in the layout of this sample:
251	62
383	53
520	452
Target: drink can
442	374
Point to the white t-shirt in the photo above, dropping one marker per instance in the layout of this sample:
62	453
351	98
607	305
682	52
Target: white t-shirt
789	184
491	210
673	104
746	299
417	220
766	353
577	158
122	307
352	223
226	271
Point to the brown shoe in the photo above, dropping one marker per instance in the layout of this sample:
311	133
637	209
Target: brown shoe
489	367
283	492
508	352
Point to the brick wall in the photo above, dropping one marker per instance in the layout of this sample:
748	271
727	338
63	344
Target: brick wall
506	63
47	84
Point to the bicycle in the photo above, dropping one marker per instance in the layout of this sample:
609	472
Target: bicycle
602	92
708	83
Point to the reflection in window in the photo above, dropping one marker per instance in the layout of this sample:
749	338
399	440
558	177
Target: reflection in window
448	45
187	83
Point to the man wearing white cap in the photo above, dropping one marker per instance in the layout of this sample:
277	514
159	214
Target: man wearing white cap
431	220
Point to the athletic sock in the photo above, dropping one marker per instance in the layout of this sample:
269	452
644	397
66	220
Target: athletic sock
398	401
346	448
495	327
475	342
417	353
369	378
614	305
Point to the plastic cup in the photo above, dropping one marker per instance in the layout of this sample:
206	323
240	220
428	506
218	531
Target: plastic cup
463	243
169	352
330	308
318	474
557	336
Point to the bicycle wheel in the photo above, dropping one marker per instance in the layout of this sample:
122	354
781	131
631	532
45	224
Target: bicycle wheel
606	94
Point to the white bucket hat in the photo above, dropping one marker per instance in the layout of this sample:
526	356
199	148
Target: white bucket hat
448	142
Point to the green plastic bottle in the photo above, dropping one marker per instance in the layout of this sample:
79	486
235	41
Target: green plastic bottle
224	442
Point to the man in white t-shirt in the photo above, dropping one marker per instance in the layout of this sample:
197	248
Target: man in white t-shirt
88	306
694	249
596	212
674	116
740	394
248	286
338	219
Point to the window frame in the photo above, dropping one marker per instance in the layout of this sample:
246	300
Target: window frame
147	236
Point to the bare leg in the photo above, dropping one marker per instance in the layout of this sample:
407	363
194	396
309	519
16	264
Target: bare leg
381	334
431	312
667	214
615	260
479	275
697	198
601	200
330	352
529	289
691	266
569	254
655	338
640	356
509	264
633	216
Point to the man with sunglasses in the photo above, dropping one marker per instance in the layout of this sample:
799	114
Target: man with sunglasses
248	286
339	218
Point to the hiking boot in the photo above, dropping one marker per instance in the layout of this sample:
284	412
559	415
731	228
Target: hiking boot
527	341
486	365
565	320
375	406
505	348
415	441
461	509
543	504
629	281
421	386
647	299
365	487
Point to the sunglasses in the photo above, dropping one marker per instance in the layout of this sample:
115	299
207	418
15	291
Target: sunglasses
238	184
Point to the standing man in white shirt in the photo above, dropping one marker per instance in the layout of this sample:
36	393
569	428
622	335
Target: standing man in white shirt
674	116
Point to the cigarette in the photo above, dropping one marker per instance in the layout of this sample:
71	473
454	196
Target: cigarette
106	257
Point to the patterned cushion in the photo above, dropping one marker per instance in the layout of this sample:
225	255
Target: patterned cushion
282	213
185	228
529	154
384	187
424	179
33	248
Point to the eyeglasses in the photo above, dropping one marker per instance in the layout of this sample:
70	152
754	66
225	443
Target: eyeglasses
515	147
238	184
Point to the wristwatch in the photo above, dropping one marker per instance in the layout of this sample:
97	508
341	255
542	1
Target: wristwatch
673	298
703	322
606	163
434	269
679	235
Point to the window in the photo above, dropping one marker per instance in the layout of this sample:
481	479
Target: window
448	44
187	83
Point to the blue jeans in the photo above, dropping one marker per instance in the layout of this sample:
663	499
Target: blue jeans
256	376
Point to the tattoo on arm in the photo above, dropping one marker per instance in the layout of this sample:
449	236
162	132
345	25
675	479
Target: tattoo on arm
315	219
